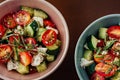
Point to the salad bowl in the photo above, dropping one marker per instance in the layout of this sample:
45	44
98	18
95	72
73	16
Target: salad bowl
9	6
92	29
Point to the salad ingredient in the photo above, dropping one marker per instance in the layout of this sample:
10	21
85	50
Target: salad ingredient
92	42
25	58
8	21
49	37
84	62
40	13
5	53
49	23
22	17
97	76
102	33
2	31
88	55
114	32
27	9
41	67
116	77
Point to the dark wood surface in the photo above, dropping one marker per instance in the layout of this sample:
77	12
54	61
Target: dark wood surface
78	15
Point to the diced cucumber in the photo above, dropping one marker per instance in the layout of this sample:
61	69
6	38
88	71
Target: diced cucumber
39	33
108	44
31	28
28	9
92	42
42	67
88	54
40	13
50	57
102	33
22	69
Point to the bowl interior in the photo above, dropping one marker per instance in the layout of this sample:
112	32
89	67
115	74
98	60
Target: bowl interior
105	21
13	5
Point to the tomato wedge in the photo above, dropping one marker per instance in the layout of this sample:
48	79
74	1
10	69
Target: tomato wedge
97	76
49	37
105	70
114	32
30	41
5	53
9	21
49	23
2	31
25	58
22	17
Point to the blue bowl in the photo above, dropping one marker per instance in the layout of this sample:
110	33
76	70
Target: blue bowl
105	21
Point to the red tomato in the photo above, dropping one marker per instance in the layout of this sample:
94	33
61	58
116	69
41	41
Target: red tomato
49	23
30	41
105	70
97	76
49	37
22	17
114	32
2	31
25	58
9	21
5	53
101	43
12	39
108	58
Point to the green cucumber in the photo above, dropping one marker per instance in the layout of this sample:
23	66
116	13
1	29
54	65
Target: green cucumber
22	69
88	54
54	49
39	33
27	9
42	67
31	28
40	13
92	42
50	57
102	33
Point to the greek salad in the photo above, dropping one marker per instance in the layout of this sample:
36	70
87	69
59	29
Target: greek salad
29	40
101	58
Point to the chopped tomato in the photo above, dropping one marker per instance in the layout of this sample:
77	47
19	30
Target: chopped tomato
5	53
105	70
49	23
100	43
49	37
12	39
98	58
108	58
9	21
25	58
22	17
97	76
114	32
2	31
30	41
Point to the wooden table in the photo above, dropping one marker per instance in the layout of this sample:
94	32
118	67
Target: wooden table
79	14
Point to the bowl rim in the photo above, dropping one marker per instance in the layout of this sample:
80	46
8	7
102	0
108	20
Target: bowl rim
80	37
67	38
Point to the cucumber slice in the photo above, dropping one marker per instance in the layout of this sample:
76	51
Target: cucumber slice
31	28
42	67
39	33
92	42
88	54
50	57
102	33
40	13
28	9
22	69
